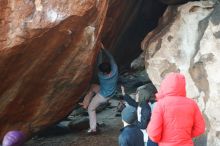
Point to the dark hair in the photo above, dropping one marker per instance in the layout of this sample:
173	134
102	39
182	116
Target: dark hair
152	99
105	67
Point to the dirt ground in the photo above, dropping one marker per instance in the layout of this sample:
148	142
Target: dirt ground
62	135
108	135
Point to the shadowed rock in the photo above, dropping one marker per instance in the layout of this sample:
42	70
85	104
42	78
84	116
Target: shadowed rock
174	2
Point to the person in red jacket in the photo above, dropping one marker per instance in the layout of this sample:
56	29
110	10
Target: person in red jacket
176	119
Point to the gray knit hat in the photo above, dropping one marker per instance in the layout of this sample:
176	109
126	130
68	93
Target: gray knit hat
129	114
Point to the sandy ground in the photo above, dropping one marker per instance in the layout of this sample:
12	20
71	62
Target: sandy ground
108	135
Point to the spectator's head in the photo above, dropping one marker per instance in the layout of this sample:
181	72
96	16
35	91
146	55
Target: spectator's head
143	94
129	115
146	93
173	84
105	67
14	138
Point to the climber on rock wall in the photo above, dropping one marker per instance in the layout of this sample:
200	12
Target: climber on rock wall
98	94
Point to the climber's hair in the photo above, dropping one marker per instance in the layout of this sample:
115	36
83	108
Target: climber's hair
105	67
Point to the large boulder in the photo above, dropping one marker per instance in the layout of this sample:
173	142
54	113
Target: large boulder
47	54
187	40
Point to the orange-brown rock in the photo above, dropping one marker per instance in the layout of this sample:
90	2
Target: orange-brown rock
47	54
48	50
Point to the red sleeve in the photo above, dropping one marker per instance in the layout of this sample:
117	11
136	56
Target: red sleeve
199	123
155	127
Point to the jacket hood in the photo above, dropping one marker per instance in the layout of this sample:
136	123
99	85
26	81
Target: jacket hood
173	85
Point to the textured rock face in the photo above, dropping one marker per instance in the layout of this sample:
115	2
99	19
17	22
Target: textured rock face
47	54
127	27
187	40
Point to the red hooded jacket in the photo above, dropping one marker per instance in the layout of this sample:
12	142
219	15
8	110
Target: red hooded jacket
176	119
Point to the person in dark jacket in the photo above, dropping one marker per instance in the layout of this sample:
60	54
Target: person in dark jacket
145	96
130	135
